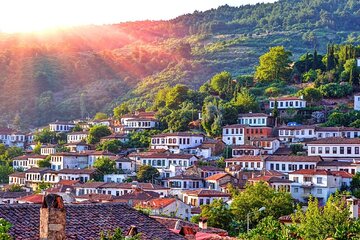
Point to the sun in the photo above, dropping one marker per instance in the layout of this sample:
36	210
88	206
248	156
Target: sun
39	15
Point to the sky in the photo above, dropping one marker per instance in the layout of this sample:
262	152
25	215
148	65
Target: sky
35	15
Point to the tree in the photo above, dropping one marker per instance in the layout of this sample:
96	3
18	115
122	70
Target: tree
100	116
117	234
105	165
120	110
141	139
295	148
333	220
77	128
218	214
45	136
245	101
15	188
5	171
113	146
4	229
355	185
178	120
176	95
274	65
310	94
147	173
37	148
269	228
42	186
97	132
255	197
223	84
45	163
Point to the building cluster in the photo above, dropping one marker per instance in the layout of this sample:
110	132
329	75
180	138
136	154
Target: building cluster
261	150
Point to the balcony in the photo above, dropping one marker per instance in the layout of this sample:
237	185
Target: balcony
307	185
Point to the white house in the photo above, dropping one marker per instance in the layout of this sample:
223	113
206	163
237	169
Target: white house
10	137
163	161
175	142
34	176
233	134
247	162
118	189
48	149
76	137
349	166
27	161
291	163
287	102
199	197
296	133
125	164
59	126
314	182
168	206
268	145
82	175
340	148
138	121
17	178
357	100
255	119
245	150
327	132
69	160
77	147
183	182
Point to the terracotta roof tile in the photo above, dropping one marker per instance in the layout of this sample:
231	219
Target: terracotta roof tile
217	176
281	158
336	140
34	198
312	172
206	193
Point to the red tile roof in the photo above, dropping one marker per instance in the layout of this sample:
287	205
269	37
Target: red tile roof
293	158
253	115
180	134
206	193
34	198
247	158
235	126
286	98
158	203
342	174
312	172
336	140
217	176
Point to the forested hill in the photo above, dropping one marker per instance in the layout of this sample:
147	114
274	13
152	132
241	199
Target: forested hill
77	72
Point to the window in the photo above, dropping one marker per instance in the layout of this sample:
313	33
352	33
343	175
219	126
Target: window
320	150
327	150
283	167
307	179
277	166
226	131
296	190
348	150
296	179
319	180
356	150
342	150
313	150
271	166
334	149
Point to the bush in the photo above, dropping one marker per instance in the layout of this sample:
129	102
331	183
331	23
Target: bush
335	90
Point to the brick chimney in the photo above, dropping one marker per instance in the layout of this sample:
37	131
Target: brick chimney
52	218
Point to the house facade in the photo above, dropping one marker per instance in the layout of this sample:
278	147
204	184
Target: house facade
175	142
233	134
287	102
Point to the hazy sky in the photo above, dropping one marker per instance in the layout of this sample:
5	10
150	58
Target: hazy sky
32	15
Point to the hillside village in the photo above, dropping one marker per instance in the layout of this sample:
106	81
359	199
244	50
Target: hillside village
179	172
226	160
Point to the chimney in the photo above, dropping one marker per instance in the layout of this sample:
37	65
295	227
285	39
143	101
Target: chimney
52	218
203	223
132	231
353	204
